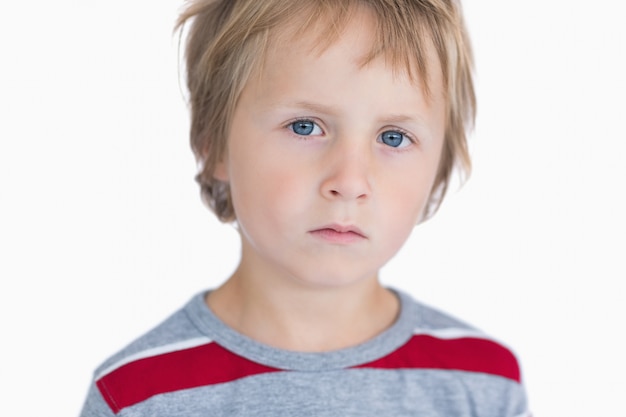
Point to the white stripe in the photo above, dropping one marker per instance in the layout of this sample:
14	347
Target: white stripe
159	350
451	333
459	333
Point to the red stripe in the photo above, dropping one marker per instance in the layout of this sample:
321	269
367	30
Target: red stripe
212	364
463	354
189	368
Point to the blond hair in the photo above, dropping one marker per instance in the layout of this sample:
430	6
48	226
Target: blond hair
227	40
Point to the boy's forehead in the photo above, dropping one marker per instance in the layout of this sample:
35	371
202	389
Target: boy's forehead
323	30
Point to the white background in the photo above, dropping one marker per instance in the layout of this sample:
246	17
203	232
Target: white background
102	233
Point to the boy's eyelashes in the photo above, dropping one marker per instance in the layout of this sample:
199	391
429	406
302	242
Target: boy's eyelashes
395	138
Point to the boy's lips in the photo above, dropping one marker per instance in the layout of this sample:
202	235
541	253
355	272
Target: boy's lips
336	233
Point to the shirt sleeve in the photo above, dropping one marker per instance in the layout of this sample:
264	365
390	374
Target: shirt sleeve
94	405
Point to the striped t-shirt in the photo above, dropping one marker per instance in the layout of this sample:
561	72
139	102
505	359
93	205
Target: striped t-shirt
426	364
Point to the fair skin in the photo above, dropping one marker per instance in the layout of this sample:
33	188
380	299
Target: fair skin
330	165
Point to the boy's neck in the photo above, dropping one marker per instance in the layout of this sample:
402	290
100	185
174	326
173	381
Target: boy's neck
304	319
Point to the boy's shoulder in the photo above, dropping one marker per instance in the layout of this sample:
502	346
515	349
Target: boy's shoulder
436	340
177	331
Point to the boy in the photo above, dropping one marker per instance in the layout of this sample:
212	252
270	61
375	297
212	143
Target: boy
326	130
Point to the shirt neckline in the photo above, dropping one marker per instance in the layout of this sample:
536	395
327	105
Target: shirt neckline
379	346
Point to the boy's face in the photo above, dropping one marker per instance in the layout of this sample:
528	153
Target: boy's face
330	163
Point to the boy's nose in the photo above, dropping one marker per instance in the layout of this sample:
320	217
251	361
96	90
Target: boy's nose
347	175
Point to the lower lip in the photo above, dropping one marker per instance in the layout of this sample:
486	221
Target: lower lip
334	236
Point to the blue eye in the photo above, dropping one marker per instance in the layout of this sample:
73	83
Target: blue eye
394	139
305	128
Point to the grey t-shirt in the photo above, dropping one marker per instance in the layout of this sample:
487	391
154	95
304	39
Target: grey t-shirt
426	364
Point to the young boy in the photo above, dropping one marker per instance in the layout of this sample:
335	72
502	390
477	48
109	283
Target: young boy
326	130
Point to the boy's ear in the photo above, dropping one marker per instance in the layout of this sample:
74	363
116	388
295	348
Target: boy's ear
221	171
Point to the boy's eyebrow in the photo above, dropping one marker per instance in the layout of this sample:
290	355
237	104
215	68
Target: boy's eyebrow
315	107
400	118
326	109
